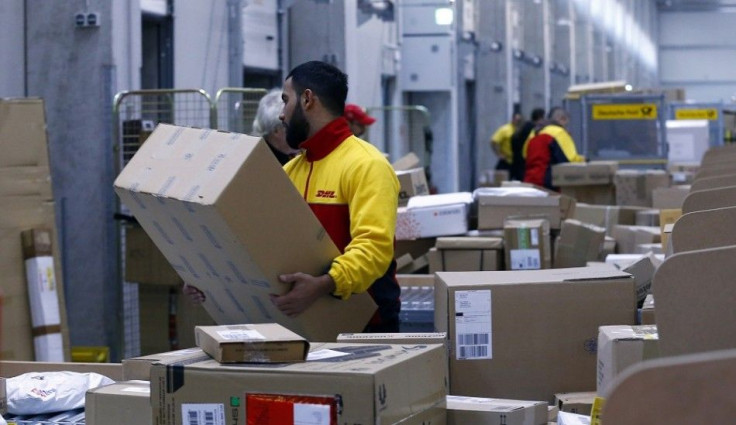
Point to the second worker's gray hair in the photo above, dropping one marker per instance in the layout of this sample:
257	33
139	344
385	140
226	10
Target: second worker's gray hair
267	116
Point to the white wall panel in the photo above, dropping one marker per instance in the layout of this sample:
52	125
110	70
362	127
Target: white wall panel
697	29
698	65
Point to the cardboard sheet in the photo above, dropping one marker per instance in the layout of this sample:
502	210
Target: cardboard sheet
705	229
709	199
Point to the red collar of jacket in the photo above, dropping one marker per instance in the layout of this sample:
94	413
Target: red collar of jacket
326	139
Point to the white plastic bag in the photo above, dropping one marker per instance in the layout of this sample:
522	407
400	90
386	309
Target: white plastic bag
45	392
2	421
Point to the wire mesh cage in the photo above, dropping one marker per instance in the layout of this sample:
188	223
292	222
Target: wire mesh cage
235	108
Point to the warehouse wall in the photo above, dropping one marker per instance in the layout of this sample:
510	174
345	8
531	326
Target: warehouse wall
12	52
690	40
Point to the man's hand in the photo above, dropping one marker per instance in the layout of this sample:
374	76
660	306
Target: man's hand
305	291
195	295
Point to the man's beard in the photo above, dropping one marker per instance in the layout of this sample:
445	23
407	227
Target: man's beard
297	129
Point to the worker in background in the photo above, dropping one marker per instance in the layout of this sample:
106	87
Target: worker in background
351	188
501	142
516	172
268	126
358	120
548	145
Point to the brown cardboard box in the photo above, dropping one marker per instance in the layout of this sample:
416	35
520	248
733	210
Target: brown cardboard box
647	311
369	383
477	410
23	133
606	216
578	243
407	162
634	187
620	347
413	183
628	237
608	247
32	181
527	244
122	403
139	368
496	205
496	354
196	193
467	254
647	218
666	217
436	415
669	197
590	182
256	343
413	338
415	247
577	402
144	262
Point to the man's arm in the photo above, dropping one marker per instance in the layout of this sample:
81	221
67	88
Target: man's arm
305	291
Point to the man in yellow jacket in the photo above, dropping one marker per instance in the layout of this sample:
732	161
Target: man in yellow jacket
351	188
501	142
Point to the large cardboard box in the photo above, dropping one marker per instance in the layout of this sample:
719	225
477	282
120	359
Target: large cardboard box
642	267
495	205
635	187
23	133
412	183
434	215
256	343
620	347
139	368
413	338
407	162
527	244
121	403
466	254
628	237
578	243
352	383
590	182
478	410
197	194
528	335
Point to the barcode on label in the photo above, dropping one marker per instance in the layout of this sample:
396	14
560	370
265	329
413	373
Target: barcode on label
525	259
473	346
193	418
203	414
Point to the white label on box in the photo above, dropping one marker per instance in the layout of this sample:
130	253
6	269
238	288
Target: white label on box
203	414
141	390
311	414
525	259
42	291
325	354
534	236
241	335
473	325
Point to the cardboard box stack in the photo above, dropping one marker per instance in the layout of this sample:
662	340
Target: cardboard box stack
477	410
590	182
528	335
434	215
26	202
466	254
495	205
194	191
635	187
578	243
527	244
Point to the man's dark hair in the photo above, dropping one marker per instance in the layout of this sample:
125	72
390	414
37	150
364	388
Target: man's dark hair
556	112
537	114
325	80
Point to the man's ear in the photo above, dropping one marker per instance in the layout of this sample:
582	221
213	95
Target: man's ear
308	99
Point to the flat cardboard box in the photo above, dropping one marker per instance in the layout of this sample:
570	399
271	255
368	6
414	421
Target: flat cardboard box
496	205
584	174
121	403
694	291
467	254
552	350
144	262
196	193
527	244
412	183
412	338
620	347
478	410
578	243
647	311
669	197
255	343
606	216
433	215
23	139
139	368
634	187
575	402
709	199
370	383
436	415
594	194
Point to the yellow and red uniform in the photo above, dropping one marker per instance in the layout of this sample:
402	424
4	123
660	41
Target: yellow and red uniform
353	191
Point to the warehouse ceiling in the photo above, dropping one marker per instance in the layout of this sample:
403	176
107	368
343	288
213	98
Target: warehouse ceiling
696	5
